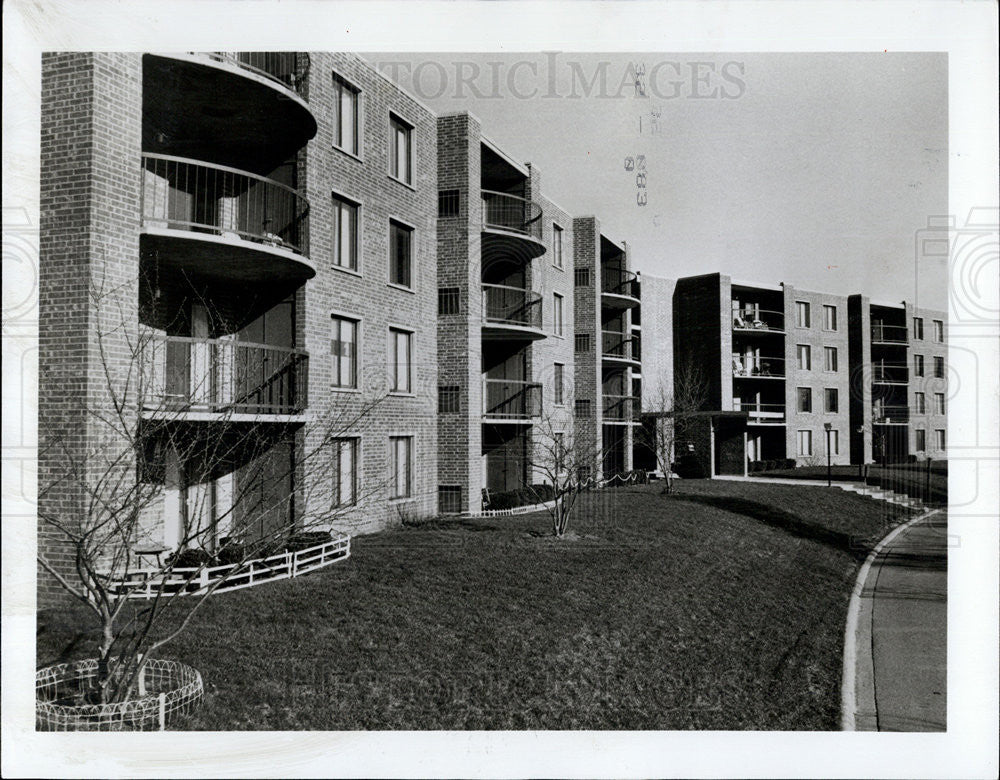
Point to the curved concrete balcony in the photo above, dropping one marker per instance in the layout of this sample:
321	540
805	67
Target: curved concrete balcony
223	223
617	349
511	313
758	367
758	321
243	109
200	379
619	288
511	401
512	227
621	408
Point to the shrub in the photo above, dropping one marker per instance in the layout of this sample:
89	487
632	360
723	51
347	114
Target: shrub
191	558
232	553
306	539
689	467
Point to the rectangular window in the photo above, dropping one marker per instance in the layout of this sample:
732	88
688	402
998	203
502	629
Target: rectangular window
448	399
802	315
582	408
829	358
938	367
557	382
344	237
938	330
400	151
833	441
345	119
401	459
557	314
581	277
804	354
400	253
939	403
400	343
919	403
805	439
921	440
918	328
805	399
345	472
829	317
448	203
449	499
939	439
918	365
557	257
344	349
582	342
448	301
831	400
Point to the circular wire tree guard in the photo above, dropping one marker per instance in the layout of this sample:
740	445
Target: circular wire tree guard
167	690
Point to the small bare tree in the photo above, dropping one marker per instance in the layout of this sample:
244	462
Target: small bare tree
669	413
140	446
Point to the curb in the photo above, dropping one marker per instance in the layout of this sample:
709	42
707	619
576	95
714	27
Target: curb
857	707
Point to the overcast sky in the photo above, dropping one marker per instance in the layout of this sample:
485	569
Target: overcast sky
812	169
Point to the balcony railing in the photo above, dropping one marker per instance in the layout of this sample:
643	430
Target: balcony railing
754	366
889	334
502	211
890	374
888	415
753	319
618	281
288	68
761	413
512	306
511	399
182	374
184	194
621	408
618	346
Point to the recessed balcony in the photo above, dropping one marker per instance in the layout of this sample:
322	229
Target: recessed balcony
890	374
243	109
621	408
757	367
758	321
512	227
761	414
619	349
187	378
511	400
511	313
223	223
890	415
619	288
889	334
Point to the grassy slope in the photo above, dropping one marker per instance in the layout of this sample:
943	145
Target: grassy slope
709	609
910	478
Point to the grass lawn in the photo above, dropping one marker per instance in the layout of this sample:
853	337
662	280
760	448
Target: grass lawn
708	609
910	478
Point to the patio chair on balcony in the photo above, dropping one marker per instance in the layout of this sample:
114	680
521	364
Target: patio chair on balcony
759	325
738	368
738	321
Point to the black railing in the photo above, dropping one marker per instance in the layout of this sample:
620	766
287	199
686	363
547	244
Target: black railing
511	399
754	366
753	319
222	375
288	68
761	412
618	346
889	334
890	373
512	306
503	211
888	415
618	281
621	408
184	194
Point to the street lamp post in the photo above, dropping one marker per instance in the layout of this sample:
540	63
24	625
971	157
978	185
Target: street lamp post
829	427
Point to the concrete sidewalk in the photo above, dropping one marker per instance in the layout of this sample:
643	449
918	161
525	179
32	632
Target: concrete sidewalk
902	638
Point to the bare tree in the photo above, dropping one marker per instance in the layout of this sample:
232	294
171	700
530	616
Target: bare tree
140	449
668	415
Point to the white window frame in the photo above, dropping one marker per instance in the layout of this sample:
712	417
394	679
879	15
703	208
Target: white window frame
918	365
939	403
558	307
803	351
400	482
804	437
918	328
827	363
830	317
394	365
557	246
803	314
799	396
938	326
940	441
352	445
920	446
826	400
335	379
559	383
393	155
340	87
833	441
336	233
920	402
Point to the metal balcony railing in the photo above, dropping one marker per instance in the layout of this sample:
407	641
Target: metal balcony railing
512	306
888	415
502	211
185	194
893	374
511	399
758	366
889	334
618	281
182	373
621	408
619	346
288	68
754	319
761	412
